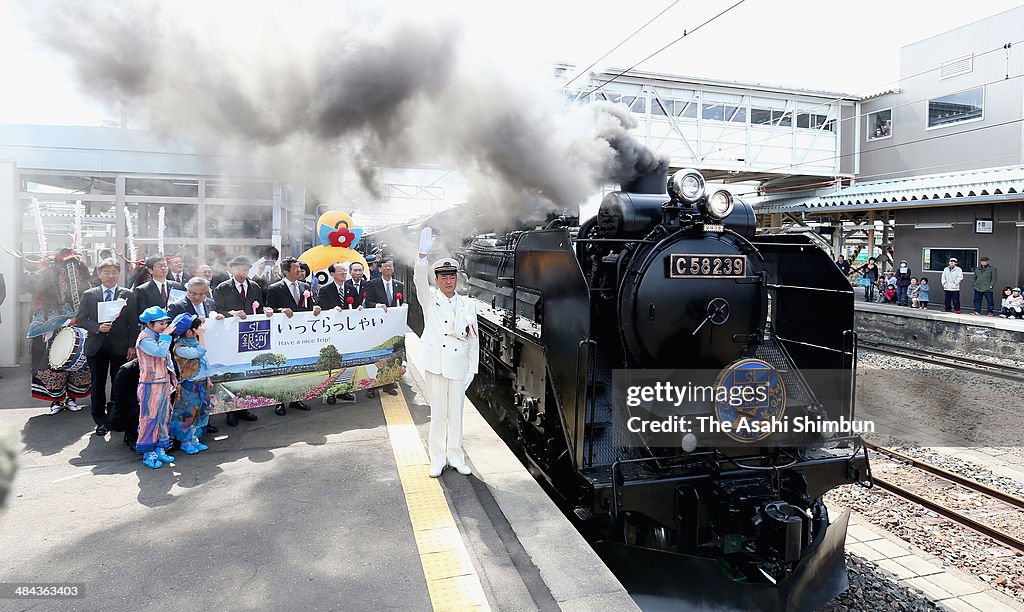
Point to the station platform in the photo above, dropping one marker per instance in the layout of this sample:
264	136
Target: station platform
330	509
938	330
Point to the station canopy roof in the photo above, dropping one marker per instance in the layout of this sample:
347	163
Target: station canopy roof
946	189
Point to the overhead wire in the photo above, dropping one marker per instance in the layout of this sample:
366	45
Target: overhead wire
624	41
662	49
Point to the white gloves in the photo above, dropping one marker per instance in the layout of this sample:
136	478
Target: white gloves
469	381
426	241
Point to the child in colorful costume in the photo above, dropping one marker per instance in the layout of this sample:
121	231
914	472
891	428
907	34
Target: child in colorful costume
156	381
192	406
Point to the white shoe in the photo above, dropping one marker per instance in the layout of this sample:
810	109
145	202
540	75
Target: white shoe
72	405
461	467
435	470
55	407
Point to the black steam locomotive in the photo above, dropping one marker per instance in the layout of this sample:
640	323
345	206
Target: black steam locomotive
678	282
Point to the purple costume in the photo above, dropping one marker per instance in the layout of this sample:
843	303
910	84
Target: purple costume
156	381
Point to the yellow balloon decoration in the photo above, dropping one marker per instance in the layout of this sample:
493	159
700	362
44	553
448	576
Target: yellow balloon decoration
338	237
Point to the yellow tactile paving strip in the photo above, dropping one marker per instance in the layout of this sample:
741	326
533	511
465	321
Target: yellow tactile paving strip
452	581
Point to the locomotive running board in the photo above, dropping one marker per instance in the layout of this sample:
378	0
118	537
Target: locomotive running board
698	583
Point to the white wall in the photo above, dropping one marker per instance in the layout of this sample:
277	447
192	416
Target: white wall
9	266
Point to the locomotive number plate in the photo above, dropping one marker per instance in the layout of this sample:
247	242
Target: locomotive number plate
702	266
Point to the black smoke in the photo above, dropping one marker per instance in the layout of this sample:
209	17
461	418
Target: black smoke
310	93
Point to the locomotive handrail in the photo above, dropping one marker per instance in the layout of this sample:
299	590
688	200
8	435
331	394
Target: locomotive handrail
777	286
852	335
812	345
596	240
590	375
576	416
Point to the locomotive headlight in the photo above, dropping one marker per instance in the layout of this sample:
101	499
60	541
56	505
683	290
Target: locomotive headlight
720	204
687	185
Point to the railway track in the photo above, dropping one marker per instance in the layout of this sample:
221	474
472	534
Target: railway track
995	502
950	361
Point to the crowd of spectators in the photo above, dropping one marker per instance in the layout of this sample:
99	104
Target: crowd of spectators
901	287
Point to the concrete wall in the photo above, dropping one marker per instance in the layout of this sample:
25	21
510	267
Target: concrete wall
938	331
1004	246
912	149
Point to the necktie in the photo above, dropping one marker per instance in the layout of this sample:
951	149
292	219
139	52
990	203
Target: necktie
387	286
341	293
163	293
241	290
295	292
108	295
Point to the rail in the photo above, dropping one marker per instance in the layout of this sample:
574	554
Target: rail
950	513
950	361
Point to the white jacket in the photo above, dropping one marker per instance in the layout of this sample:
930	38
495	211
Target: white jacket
450	344
951	278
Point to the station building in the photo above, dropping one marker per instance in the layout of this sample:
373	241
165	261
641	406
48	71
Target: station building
939	161
214	207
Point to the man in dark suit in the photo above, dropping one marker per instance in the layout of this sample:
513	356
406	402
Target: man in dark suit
355	286
290	295
332	295
383	292
195	302
235	298
156	291
177	270
109	344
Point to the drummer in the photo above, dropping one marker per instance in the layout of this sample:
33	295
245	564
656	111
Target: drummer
110	343
57	298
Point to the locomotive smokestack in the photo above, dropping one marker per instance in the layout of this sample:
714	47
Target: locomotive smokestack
653	182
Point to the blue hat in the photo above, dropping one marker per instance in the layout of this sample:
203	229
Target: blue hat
153	313
182	323
1017	289
371	258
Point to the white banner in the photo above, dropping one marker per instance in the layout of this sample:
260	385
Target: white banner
263	360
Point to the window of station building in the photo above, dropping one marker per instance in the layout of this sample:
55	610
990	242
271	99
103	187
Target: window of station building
180	220
686	109
724	107
880	124
69	184
178	188
956	108
635	103
816	118
935	259
240	222
240	190
659	107
770	111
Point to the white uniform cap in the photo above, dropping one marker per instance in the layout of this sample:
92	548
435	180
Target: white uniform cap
445	264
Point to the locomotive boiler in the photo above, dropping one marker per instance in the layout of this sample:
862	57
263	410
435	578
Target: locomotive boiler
668	280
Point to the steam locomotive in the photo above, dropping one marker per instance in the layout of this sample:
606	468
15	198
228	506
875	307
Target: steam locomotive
675	279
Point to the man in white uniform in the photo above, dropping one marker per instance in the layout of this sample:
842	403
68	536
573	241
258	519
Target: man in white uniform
448	357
